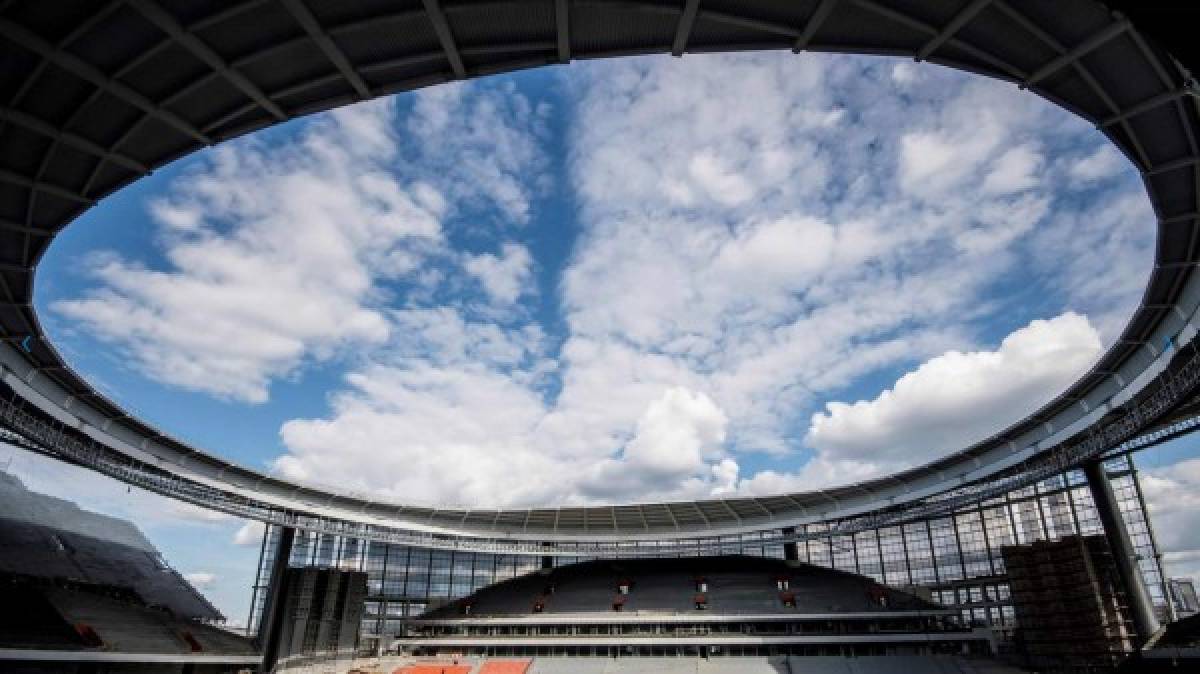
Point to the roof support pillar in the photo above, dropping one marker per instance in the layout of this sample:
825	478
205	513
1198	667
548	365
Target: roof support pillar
1125	556
270	629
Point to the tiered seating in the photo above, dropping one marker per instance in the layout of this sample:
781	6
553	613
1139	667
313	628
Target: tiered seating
743	665
664	591
125	627
571	665
434	668
736	585
504	667
36	624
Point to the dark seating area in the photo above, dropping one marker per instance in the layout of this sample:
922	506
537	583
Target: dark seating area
734	584
47	537
63	615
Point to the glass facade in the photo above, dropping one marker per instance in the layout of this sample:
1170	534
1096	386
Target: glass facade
957	557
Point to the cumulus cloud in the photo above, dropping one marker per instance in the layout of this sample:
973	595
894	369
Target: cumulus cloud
675	434
957	398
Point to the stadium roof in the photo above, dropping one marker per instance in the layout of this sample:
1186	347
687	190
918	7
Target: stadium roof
95	95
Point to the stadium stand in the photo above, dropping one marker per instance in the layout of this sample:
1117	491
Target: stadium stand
47	537
92	594
505	667
693	614
736	585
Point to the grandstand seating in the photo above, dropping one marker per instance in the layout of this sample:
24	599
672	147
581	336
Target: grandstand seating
889	664
504	667
79	617
46	537
126	627
736	585
37	624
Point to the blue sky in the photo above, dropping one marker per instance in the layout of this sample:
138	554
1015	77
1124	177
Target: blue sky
624	280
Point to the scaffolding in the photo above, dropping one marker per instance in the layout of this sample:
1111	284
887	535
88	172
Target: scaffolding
1071	607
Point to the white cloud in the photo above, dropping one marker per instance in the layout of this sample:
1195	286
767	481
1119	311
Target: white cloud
1173	496
275	252
202	580
1105	162
1014	170
736	266
505	276
309	226
250	533
676	433
957	398
904	73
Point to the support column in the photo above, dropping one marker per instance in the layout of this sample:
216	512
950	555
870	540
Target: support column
547	560
270	628
791	552
1122	549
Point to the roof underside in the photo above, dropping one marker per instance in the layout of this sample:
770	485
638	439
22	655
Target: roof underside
95	95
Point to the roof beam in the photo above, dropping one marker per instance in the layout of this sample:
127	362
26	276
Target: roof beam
169	25
438	18
85	71
956	24
562	30
21	228
683	30
1176	265
1182	217
813	25
1082	49
772	27
1144	106
308	22
1173	165
917	25
67	138
226	14
18	179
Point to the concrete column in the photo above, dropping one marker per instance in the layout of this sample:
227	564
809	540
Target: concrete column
1122	549
270	627
791	552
